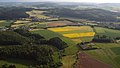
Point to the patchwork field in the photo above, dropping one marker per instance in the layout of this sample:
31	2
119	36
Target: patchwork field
37	25
108	53
70	51
76	33
32	25
38	14
72	28
19	23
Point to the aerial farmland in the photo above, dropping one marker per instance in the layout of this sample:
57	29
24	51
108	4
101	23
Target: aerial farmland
59	35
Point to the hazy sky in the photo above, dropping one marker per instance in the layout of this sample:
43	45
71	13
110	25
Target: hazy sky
96	1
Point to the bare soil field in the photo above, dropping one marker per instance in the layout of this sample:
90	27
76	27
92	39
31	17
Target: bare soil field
85	61
59	23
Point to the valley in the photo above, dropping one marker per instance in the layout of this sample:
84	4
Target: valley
50	37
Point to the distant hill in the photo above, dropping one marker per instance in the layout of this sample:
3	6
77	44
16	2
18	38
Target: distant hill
89	14
8	13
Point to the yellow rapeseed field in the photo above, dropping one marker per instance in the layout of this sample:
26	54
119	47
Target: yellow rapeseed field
70	28
60	29
76	35
71	34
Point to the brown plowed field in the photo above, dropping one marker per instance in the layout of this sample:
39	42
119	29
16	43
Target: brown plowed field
58	23
85	61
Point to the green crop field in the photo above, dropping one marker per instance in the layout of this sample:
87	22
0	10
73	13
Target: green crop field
116	50
108	32
38	25
47	34
108	53
86	39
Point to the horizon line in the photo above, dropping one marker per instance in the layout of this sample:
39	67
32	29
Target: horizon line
54	2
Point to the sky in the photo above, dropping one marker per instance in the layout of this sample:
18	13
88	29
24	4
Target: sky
93	1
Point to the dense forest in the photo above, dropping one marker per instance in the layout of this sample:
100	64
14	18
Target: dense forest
89	14
22	44
11	38
7	13
40	55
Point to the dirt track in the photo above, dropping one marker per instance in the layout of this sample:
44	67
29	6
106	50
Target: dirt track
86	61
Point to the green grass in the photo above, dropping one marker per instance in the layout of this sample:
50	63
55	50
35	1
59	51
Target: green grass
68	61
68	41
108	32
71	50
56	57
117	59
116	50
87	39
39	24
105	53
47	34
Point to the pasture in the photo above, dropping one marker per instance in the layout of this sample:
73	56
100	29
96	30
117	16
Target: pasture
107	53
108	32
46	33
